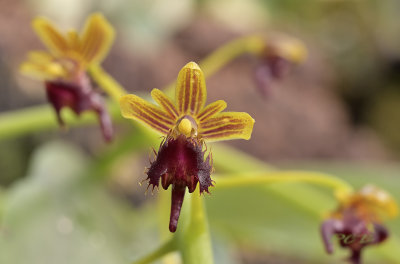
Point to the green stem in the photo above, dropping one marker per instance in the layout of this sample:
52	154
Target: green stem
40	118
233	160
340	187
164	249
193	237
225	54
108	83
254	45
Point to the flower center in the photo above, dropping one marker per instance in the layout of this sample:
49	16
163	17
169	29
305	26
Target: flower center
185	127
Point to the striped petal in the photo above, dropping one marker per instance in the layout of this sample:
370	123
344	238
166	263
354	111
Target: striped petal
226	126
134	107
165	102
97	38
191	90
73	40
211	110
50	36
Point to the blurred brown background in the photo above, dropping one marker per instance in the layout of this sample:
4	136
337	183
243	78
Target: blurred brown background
342	104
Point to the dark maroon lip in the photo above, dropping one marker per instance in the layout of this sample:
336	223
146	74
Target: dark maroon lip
180	162
79	96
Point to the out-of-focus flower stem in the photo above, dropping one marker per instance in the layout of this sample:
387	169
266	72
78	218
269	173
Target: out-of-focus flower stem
227	53
107	83
164	249
42	118
340	187
193	240
254	45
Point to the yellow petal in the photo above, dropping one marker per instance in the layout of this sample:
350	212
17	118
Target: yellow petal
34	71
211	110
134	107
226	126
41	57
293	50
73	40
166	103
97	38
378	199
50	36
191	90
42	66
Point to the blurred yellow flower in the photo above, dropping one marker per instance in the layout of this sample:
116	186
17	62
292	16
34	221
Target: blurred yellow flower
71	53
64	67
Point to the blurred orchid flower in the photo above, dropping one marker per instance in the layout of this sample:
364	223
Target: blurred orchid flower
64	67
357	221
275	61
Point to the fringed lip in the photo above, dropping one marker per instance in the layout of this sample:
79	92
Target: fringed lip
180	162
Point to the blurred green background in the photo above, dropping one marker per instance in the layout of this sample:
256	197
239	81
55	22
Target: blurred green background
67	197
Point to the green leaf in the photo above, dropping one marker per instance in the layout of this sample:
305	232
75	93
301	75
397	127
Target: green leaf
49	218
283	219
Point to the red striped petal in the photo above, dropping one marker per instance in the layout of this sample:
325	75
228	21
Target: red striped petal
165	103
50	36
97	38
211	110
191	90
134	107
226	126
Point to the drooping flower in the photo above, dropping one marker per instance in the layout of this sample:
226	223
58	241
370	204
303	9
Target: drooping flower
357	222
278	56
185	123
64	67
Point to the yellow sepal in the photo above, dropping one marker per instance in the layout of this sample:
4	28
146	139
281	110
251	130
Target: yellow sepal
191	92
50	36
165	102
97	38
134	107
211	110
227	126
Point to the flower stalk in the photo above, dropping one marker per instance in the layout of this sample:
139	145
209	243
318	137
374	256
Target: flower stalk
164	249
106	82
224	55
194	242
341	188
